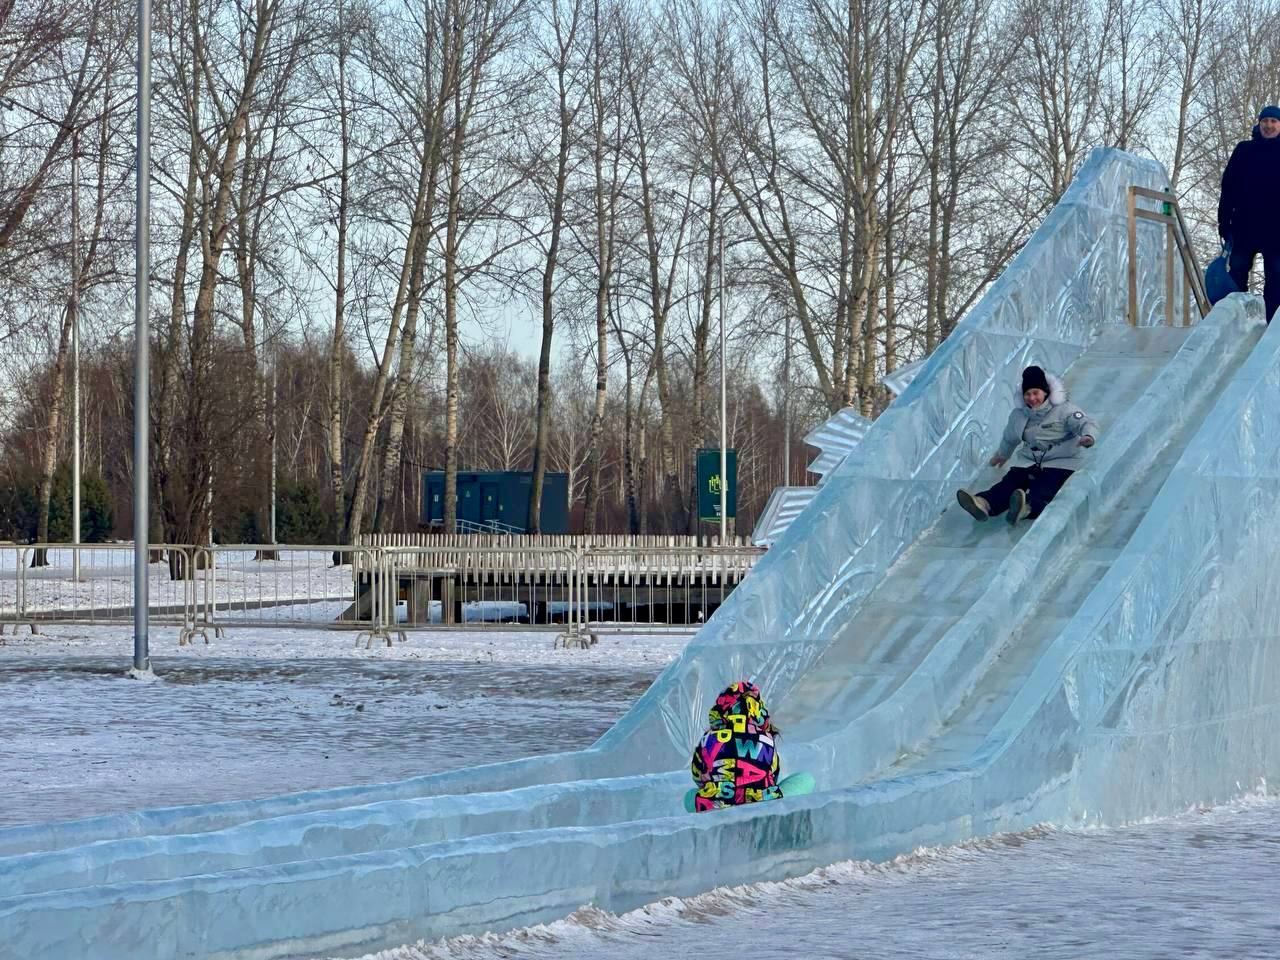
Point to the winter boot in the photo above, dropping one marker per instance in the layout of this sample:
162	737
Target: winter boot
1019	509
976	507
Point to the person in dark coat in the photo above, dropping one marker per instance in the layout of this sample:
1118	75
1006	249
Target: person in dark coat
1044	437
1249	207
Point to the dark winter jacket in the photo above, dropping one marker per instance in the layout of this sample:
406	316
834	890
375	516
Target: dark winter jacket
736	760
1049	435
1249	206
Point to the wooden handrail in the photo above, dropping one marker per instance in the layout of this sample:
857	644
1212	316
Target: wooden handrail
1177	238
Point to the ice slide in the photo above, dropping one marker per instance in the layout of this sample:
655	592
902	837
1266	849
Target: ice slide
1113	660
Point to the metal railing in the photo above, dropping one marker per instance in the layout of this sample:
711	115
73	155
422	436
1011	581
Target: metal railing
487	526
381	592
624	541
302	587
673	585
461	586
1177	244
88	583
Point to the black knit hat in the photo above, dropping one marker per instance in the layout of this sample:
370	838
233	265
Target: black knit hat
1033	378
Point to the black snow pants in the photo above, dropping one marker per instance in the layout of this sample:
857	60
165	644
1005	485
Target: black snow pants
1041	483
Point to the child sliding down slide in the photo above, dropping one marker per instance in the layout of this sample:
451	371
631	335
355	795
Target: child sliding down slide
1046	436
737	760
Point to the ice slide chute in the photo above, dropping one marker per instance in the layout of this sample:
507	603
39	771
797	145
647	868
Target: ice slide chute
1113	660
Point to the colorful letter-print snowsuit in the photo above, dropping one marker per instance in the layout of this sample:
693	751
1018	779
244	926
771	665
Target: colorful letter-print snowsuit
736	762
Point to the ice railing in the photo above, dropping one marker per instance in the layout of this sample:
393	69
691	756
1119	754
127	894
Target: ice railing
1068	281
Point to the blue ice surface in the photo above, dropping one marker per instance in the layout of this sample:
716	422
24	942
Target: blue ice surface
941	679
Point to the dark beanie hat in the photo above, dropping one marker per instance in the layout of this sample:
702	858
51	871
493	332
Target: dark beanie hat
1033	378
1270	112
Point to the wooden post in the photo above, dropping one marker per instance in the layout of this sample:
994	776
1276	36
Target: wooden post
1195	279
1133	257
1186	301
1169	243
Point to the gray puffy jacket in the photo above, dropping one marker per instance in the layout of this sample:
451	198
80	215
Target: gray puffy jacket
1048	436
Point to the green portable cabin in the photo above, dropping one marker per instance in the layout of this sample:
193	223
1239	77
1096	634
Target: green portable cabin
497	500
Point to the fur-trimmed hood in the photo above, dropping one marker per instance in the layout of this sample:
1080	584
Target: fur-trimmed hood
1057	389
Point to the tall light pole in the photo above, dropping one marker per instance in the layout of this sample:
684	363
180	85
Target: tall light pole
141	346
275	363
786	398
75	358
724	454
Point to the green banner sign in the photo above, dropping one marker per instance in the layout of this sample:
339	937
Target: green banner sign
709	484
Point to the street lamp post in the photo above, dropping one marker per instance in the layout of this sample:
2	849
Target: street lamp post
141	344
724	454
786	399
275	357
74	306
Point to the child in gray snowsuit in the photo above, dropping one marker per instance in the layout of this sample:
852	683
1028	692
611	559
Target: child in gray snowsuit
1044	437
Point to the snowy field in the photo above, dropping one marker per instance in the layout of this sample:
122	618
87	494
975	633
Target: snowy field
261	712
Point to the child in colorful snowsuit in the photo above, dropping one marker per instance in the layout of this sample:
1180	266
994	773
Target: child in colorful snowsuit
1044	437
737	760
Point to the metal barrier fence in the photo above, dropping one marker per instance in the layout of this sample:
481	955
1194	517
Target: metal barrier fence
568	541
90	583
670	585
381	592
301	586
462	586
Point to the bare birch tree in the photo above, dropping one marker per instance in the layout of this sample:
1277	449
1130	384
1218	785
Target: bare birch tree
86	62
270	174
223	53
423	95
1189	50
666	212
558	54
1056	107
486	29
605	135
960	137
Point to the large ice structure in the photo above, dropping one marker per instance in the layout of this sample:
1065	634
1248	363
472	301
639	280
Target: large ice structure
941	679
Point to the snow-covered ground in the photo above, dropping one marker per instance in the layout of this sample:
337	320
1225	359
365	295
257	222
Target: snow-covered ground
648	651
1200	886
267	711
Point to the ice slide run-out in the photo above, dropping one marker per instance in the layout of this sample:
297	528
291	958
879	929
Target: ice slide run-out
1116	659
